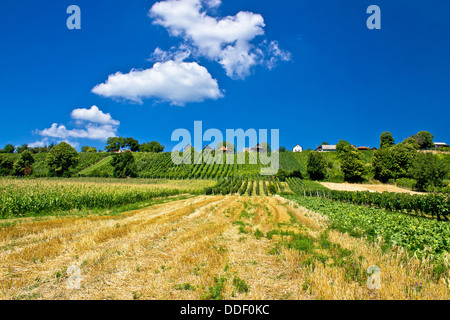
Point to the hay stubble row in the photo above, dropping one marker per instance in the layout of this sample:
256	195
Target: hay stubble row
151	253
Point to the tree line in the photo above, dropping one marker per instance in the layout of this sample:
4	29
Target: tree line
113	144
390	163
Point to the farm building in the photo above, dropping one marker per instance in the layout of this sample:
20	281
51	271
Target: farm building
363	148
297	148
326	148
207	149
257	148
439	145
225	150
121	150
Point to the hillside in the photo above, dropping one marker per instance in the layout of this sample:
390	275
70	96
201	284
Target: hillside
159	165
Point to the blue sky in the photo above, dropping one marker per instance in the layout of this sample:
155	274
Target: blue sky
313	70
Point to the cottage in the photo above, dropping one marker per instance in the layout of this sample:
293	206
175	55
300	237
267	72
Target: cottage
439	145
297	148
326	148
258	148
363	148
224	149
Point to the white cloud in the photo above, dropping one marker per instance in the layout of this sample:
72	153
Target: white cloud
175	81
95	125
225	40
93	115
40	144
90	131
178	54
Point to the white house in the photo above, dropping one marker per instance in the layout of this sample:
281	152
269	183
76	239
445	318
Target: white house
297	148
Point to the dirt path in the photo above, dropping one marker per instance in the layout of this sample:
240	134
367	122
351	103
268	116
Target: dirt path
366	187
207	247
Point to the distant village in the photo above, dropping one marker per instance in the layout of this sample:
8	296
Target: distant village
298	148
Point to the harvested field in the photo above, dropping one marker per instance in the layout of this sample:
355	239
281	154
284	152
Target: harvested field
366	187
207	247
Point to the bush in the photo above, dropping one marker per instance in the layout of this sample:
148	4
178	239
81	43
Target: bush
406	183
6	166
429	171
272	188
316	166
23	166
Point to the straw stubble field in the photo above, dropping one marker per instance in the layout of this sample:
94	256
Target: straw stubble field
207	247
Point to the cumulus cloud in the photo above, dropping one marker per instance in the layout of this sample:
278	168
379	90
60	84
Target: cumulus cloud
226	40
90	131
40	144
94	125
177	82
94	114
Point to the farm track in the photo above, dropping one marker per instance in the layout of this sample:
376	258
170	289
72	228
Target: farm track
367	187
152	253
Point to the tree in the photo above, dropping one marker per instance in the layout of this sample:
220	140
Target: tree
403	156
88	149
428	170
133	144
6	165
424	139
22	148
282	149
23	166
412	142
295	174
9	148
341	145
115	144
61	159
124	165
281	174
317	166
386	140
351	164
152	146
324	143
382	165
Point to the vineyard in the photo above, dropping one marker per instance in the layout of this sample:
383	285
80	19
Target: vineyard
422	238
436	205
159	165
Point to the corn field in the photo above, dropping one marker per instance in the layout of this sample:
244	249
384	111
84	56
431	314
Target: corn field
34	196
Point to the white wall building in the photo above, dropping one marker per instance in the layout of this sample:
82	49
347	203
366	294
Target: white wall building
297	148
